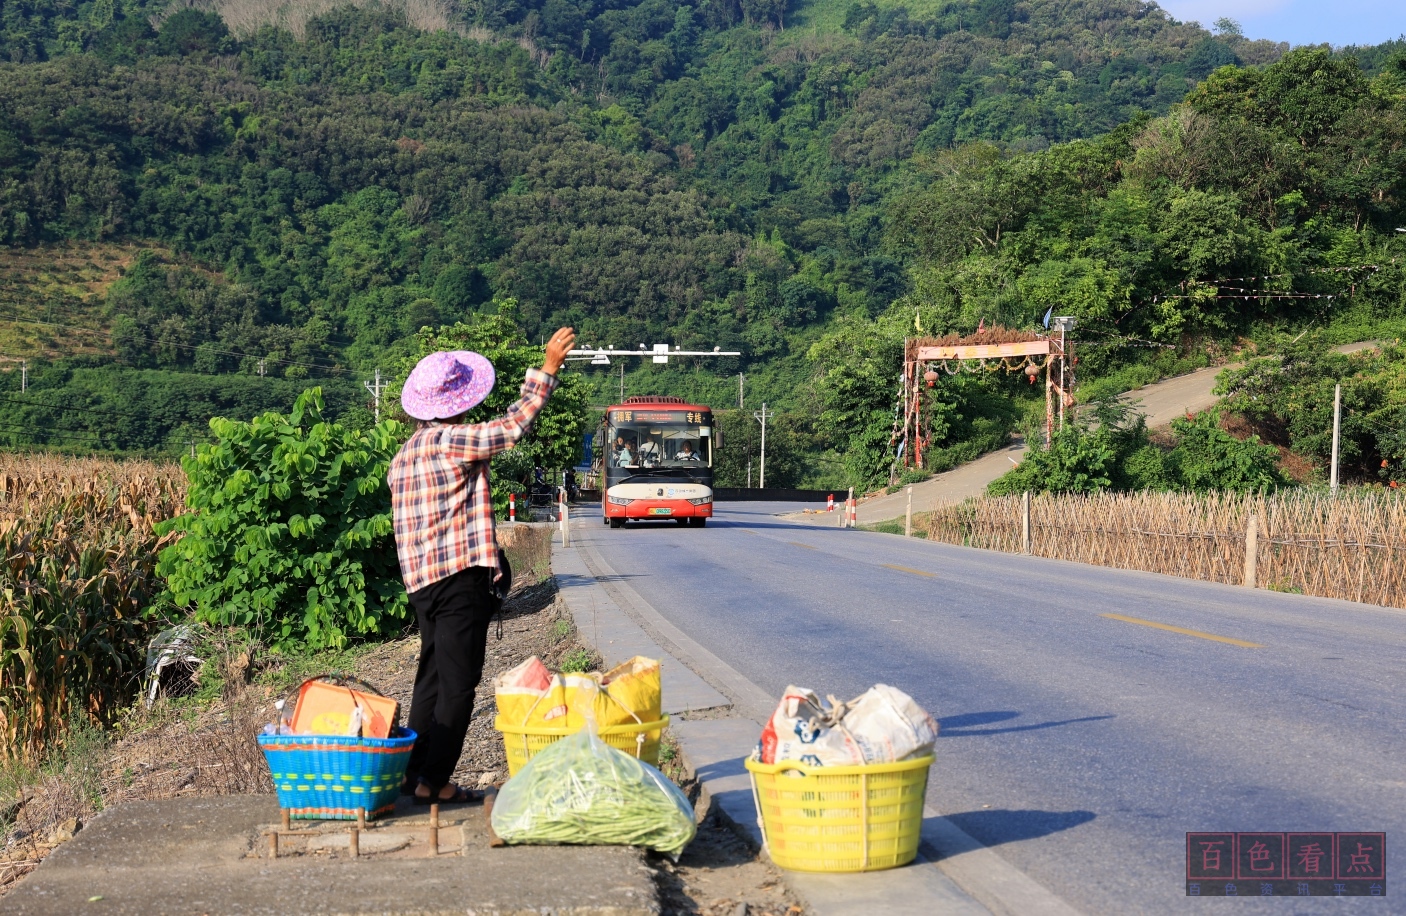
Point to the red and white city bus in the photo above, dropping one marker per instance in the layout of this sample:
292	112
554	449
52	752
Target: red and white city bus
655	460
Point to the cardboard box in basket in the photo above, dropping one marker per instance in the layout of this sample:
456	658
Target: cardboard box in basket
326	709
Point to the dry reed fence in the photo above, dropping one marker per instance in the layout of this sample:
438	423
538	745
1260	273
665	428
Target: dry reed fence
78	550
1351	547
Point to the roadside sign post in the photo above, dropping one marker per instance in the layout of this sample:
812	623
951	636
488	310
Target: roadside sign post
908	519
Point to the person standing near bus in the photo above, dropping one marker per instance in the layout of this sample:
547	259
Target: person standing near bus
442	505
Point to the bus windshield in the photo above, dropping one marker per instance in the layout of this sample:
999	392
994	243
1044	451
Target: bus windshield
659	445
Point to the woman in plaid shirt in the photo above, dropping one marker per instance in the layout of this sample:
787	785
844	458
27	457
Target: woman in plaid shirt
443	512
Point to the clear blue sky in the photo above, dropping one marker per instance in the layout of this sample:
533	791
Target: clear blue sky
1301	22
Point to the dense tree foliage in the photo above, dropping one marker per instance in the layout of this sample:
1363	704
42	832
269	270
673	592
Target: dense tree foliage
1291	398
1269	199
702	172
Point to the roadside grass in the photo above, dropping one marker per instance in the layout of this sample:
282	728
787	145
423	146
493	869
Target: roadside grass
894	527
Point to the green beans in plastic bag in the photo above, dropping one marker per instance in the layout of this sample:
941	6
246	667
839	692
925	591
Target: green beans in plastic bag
581	790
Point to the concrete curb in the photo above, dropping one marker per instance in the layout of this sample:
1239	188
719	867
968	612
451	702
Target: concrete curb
618	623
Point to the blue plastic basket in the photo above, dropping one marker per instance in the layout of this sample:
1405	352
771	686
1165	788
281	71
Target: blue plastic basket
329	777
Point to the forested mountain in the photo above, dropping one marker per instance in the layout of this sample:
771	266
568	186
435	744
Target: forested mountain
324	180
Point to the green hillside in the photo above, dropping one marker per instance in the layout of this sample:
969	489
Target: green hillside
316	183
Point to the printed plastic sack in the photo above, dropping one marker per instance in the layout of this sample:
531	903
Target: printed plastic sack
634	692
581	790
882	725
803	729
531	695
887	725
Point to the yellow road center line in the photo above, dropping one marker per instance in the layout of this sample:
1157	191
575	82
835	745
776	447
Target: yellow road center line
916	572
1183	631
799	544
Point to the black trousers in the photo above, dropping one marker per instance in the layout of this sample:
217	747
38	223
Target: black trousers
453	614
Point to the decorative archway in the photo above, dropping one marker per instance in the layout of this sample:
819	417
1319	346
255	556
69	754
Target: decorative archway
998	349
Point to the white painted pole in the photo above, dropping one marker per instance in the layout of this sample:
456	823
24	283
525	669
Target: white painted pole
908	519
1337	428
565	516
761	477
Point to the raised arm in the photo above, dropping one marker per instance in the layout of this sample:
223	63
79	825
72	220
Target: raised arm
481	441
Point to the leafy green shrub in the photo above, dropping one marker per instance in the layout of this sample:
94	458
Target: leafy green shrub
1207	457
1118	455
1076	461
290	537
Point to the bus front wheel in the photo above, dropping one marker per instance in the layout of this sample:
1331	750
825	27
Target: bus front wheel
698	521
617	523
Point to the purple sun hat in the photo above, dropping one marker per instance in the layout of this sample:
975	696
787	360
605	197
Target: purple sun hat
446	384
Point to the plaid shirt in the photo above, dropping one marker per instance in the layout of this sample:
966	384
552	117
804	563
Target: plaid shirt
440	495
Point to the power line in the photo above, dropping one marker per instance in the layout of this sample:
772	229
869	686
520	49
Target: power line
51	433
31	427
115	413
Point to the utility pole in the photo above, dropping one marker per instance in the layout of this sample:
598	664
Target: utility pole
24	375
622	383
739	391
1337	427
261	368
762	416
375	390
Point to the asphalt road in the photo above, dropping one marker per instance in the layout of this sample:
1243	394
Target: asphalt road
1079	747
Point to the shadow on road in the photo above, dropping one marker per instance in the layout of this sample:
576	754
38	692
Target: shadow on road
1001	825
754	523
570	580
961	726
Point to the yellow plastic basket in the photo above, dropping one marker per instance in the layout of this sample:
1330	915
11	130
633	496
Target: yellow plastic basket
841	818
521	742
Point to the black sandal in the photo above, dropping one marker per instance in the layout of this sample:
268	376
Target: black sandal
461	796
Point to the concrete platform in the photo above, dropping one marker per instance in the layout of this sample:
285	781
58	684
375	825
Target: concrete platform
210	855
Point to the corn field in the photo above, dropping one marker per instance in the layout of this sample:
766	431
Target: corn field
77	577
1351	547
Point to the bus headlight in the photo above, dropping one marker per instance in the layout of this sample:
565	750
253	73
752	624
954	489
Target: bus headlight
701	501
619	501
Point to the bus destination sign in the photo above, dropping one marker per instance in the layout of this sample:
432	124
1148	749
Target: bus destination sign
659	416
